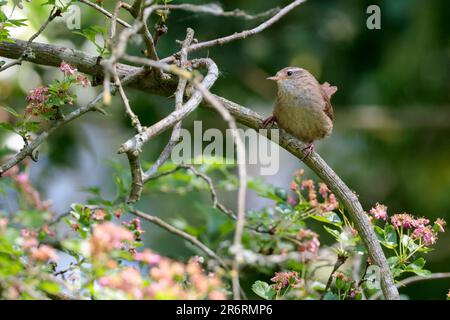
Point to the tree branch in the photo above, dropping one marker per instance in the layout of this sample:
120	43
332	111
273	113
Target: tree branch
243	34
405	282
216	10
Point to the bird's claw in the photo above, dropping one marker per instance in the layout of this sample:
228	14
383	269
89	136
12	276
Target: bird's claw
268	121
308	150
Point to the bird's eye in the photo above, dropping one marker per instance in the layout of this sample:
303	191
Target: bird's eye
289	73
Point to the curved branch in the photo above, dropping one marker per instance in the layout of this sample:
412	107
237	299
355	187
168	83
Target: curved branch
405	282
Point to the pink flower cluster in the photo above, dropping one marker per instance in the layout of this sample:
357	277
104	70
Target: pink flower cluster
379	212
284	279
309	241
24	185
67	69
37	99
420	227
168	280
107	237
3	224
329	201
135	227
42	253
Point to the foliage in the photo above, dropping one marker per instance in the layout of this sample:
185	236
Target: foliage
102	256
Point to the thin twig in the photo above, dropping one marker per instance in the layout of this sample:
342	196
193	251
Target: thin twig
240	148
405	282
204	177
29	148
105	12
216	10
179	94
243	34
339	262
53	14
190	238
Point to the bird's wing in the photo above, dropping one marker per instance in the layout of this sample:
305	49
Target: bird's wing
327	92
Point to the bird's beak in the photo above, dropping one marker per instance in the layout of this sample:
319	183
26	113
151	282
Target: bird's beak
274	78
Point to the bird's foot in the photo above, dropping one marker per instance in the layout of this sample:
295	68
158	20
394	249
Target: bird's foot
268	121
308	150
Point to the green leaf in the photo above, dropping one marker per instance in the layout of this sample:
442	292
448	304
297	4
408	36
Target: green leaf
8	126
340	283
50	287
417	264
390	237
12	111
333	232
264	290
331	218
330	296
318	286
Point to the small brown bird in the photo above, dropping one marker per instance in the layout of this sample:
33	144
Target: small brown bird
303	107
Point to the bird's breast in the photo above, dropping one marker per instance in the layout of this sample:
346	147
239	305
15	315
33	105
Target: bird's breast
303	118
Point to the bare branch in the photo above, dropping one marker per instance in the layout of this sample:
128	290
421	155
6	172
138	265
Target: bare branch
190	238
136	143
237	245
105	12
53	14
242	34
405	282
204	177
216	10
179	94
30	147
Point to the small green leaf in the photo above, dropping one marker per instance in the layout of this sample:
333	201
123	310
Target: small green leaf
331	218
264	290
417	264
333	232
13	112
390	237
318	286
330	296
340	283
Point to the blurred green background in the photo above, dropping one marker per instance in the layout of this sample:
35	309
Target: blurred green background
392	128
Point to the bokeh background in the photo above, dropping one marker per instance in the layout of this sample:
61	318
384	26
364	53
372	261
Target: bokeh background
392	129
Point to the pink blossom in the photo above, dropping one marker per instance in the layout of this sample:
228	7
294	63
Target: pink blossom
323	190
426	233
44	253
379	211
67	69
38	95
148	257
99	214
309	241
403	220
3	224
283	279
217	295
107	236
294	186
420	222
332	203
82	80
440	224
291	200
